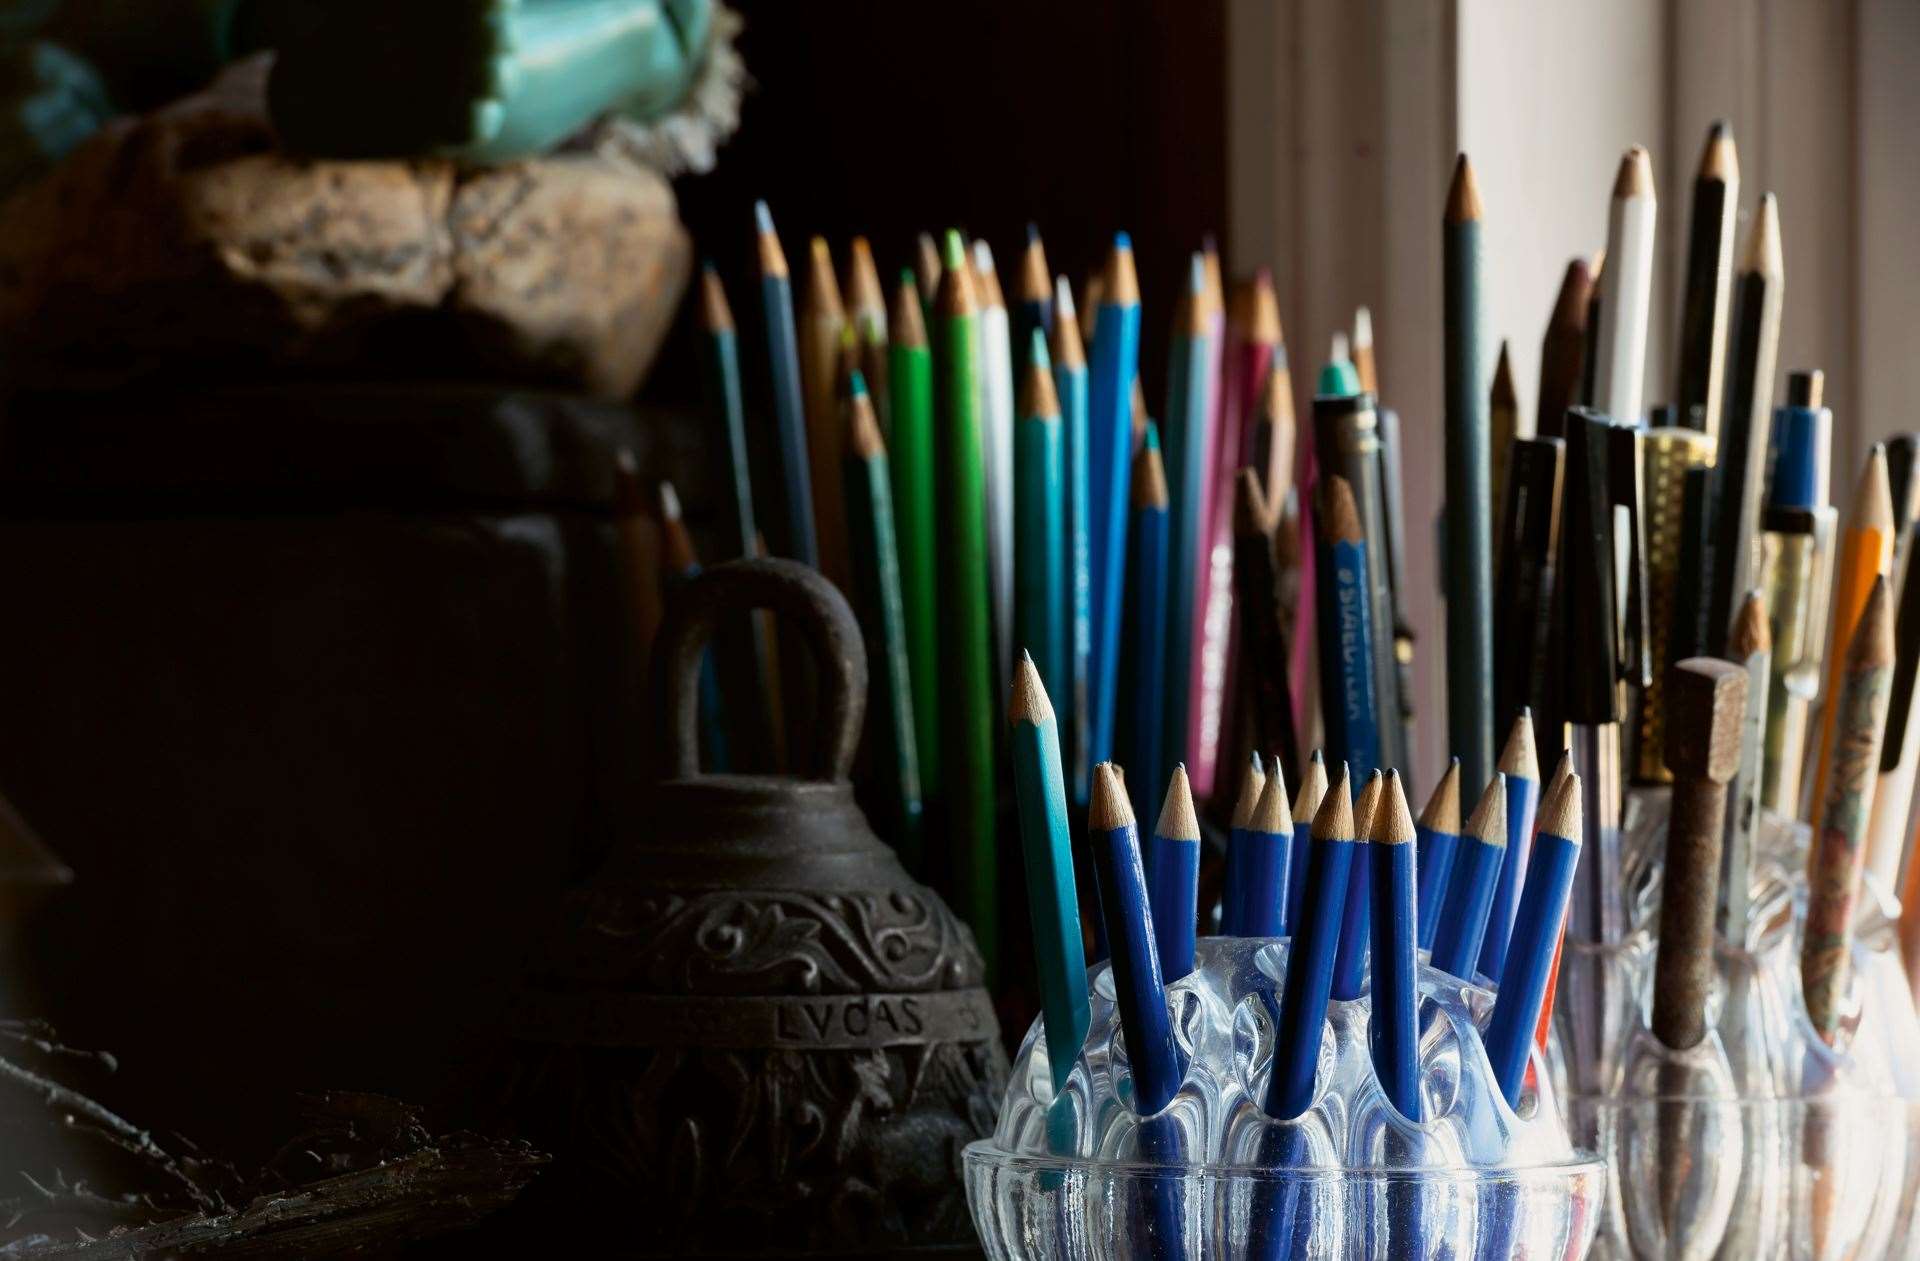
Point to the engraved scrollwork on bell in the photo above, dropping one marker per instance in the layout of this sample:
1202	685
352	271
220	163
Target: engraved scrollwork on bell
753	1032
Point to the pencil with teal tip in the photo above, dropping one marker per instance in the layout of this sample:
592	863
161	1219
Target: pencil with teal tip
1438	832
1240	850
1143	651
1536	937
1306	805
1269	861
1070	386
1393	1030
873	557
1033	310
1356	933
917	516
1189	451
793	534
1338	379
1039	553
1040	796
1173	878
1115	361
1476	870
966	625
1520	764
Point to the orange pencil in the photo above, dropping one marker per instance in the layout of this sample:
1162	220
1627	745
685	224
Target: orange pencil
1866	552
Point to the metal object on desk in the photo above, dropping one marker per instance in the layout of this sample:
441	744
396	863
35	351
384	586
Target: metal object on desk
753	1033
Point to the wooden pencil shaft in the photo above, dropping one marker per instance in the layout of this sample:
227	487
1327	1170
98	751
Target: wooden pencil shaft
1667	456
1173	874
917	521
1524	986
1468	361
1435	859
997	423
1469	902
794	537
1742	465
1040	561
1052	901
1154	1056
1523	798
1524	595
822	318
1701	368
1626	292
1308	982
1138	729
1111	371
1395	998
1347	433
1190	408
1866	549
1708	701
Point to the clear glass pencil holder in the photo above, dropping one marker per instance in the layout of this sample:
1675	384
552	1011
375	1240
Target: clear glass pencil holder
1765	1140
1080	1174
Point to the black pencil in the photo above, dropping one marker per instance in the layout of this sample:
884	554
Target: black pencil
1703	311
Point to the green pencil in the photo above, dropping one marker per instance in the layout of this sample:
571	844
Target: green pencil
1039	551
910	380
876	584
1040	792
966	625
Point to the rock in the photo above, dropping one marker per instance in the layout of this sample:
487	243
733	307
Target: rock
184	244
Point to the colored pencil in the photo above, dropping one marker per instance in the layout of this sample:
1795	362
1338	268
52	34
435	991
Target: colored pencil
1835	863
746	667
874	555
916	517
1750	646
1346	433
1866	551
867	317
1173	878
1910	920
1468	523
1040	561
1740	470
823	319
1143	651
1350	958
1139	991
1626	291
1520	767
1346	631
1562	769
1563	351
996	421
1240	850
966	634
1262	637
1033	309
1504	420
1189	455
1116	352
1070	386
1438	835
1476	873
1543	906
794	536
1269	869
679	565
1393	1027
1306	805
927	270
1701	365
1040	795
1709	700
1307	985
1900	749
1362	347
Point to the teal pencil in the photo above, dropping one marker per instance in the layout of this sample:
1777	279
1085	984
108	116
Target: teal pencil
1070	384
1189	414
1039	552
1041	799
1469	506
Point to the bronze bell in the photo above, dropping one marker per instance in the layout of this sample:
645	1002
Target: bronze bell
754	1033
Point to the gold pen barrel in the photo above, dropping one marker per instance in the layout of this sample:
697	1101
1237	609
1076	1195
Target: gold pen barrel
1666	456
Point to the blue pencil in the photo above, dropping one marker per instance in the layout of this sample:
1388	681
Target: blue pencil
1039	554
1392	1028
1041	799
1463	915
1347	695
793	536
1143	654
1173	878
1189	416
1306	804
1033	309
1156	1064
1270	842
1536	935
1350	959
1439	830
1240	851
1070	384
1116	357
1521	765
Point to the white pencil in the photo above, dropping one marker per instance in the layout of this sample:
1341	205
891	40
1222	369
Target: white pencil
996	428
1626	291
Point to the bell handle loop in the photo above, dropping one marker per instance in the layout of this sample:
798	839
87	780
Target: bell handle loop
796	594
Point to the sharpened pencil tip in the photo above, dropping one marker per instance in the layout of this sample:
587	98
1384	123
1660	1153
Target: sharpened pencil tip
1365	804
1488	822
1313	788
1340	521
1252	785
1750	632
1027	699
856	384
762	217
1392	824
1122	241
1270	813
1719	159
1764	255
1442	813
1560	814
1107	805
953	250
1333	821
1635	176
1178	821
1520	759
1463	195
